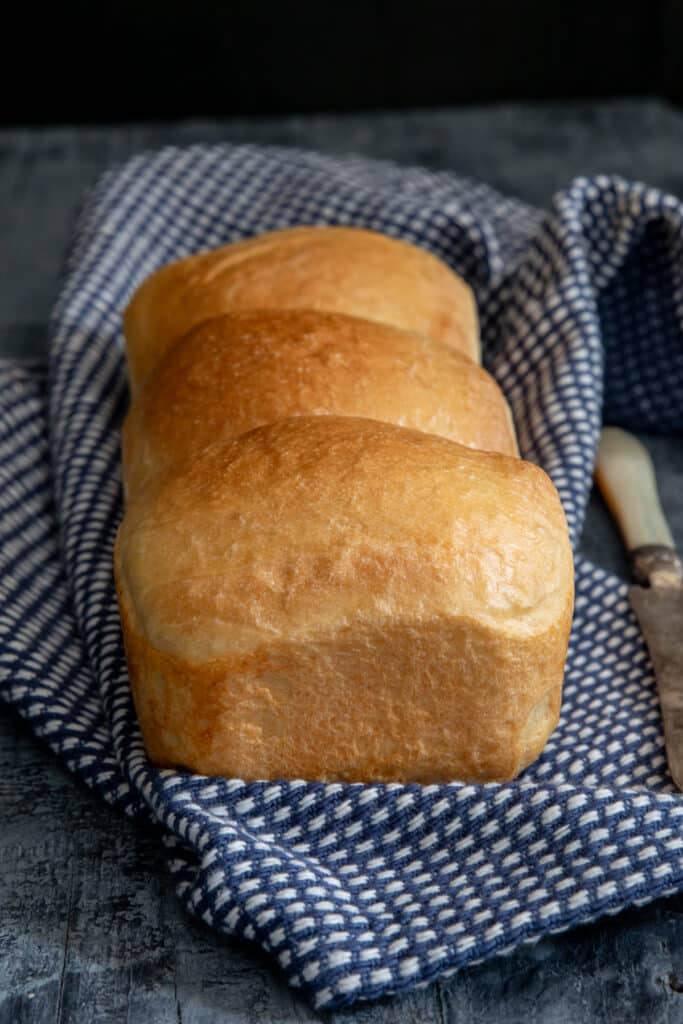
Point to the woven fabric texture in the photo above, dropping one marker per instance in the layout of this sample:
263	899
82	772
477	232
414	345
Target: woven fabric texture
358	891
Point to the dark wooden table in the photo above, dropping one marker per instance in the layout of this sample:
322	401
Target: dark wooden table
89	927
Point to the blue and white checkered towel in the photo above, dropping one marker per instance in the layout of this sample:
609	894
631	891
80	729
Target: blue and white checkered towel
362	890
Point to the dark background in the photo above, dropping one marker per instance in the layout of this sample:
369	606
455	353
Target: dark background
162	59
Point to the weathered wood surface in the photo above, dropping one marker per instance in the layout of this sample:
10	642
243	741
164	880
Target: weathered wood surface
89	927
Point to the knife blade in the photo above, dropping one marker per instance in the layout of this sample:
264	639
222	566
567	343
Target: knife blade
625	476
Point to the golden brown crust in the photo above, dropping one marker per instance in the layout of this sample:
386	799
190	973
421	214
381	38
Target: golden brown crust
333	597
308	711
342	270
239	371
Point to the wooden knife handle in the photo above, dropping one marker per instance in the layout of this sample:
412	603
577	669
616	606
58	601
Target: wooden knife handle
626	477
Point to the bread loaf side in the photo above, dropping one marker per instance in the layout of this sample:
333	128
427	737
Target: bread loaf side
333	597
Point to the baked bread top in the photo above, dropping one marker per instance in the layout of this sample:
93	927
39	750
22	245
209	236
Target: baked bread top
338	269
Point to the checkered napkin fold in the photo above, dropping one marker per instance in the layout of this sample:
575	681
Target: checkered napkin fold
357	891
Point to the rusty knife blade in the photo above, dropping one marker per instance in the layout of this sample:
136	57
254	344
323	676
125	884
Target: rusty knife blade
659	609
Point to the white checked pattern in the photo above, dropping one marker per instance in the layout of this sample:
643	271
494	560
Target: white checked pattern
358	891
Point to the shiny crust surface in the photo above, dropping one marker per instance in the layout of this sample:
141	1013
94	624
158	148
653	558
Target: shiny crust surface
338	598
239	371
338	269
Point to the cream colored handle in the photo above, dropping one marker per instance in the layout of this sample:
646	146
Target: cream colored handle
626	477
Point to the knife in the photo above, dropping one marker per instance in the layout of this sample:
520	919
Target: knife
625	475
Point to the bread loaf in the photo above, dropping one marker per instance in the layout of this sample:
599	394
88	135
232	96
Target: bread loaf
332	565
240	371
338	598
342	270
